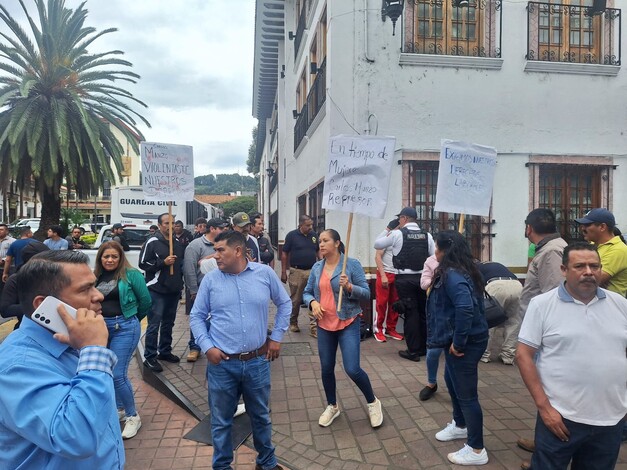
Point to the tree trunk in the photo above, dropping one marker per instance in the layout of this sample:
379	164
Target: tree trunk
50	210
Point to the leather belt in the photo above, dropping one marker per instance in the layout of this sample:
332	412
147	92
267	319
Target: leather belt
246	356
500	279
302	268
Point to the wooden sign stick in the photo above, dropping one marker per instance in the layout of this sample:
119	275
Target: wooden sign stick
346	245
462	218
170	237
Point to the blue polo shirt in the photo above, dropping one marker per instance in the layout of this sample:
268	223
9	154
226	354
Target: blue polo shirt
303	249
15	250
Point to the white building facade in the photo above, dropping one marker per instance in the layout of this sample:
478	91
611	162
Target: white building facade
541	82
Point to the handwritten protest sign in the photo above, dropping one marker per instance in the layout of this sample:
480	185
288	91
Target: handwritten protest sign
465	178
167	171
358	174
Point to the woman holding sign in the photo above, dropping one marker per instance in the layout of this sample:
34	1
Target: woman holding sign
339	328
457	323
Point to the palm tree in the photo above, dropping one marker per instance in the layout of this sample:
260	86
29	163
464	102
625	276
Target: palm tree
58	106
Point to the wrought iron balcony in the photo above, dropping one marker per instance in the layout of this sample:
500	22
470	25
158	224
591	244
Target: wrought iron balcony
315	100
567	33
437	27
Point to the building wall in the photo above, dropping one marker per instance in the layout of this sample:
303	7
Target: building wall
520	113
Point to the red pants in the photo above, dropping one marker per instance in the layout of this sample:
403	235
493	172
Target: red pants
384	300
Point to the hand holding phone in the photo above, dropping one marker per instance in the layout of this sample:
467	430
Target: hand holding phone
48	316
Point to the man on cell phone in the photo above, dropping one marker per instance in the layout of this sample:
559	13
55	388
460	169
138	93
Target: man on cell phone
61	411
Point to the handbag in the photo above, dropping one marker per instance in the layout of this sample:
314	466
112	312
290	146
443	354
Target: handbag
494	311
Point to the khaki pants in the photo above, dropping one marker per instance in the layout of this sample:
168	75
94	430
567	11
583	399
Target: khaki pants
297	280
508	294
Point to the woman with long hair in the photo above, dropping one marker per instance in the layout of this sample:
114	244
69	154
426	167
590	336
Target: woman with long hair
339	328
126	302
457	323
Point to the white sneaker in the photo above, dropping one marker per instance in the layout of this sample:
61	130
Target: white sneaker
466	456
133	423
121	415
241	409
328	415
376	413
451	432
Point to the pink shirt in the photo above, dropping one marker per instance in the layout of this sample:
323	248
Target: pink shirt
431	264
330	321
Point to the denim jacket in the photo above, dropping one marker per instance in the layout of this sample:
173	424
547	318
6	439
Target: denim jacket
455	314
350	302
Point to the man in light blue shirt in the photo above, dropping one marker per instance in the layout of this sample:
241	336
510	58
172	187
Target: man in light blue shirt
54	240
229	321
57	409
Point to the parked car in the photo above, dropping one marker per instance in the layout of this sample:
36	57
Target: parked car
17	225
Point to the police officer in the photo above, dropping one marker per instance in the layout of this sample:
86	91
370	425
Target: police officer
410	248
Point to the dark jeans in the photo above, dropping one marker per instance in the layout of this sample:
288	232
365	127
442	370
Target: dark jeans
189	303
461	379
348	339
160	323
415	301
589	447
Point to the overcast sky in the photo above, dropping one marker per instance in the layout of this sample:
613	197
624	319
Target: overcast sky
195	58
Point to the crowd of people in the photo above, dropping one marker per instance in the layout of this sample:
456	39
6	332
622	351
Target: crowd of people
76	387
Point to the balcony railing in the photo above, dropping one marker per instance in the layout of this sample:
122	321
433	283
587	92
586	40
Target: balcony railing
315	100
568	33
300	28
437	27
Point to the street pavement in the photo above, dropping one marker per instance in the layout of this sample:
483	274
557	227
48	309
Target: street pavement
404	441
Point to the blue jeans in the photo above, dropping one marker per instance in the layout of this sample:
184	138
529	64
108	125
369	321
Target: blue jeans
122	341
160	323
461	379
433	361
589	447
189	303
348	340
226	381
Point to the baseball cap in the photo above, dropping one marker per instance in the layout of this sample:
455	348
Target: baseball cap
408	212
217	222
241	219
393	224
598	216
117	226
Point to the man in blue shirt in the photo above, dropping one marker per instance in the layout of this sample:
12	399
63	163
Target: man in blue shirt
58	410
229	320
14	253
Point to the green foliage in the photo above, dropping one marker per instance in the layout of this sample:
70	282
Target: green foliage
72	217
252	165
58	105
246	204
90	239
224	184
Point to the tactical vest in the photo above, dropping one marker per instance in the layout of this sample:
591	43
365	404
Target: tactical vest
414	252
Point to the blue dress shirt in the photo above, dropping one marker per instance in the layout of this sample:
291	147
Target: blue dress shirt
57	405
231	310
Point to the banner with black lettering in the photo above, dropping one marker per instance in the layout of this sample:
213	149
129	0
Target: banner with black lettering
358	174
167	171
465	178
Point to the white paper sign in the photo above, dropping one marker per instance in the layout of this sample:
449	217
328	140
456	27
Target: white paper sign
465	178
167	171
358	174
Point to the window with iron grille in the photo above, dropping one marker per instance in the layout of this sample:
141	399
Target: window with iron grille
569	191
437	27
424	179
569	32
315	208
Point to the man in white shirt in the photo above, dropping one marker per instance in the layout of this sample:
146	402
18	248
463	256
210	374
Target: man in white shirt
579	333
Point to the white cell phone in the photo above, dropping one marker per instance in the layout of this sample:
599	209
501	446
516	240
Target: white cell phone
48	316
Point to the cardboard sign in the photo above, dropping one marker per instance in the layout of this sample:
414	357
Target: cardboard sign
465	178
167	171
358	174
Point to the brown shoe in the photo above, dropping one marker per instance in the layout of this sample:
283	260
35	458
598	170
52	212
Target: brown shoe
525	465
294	328
526	444
193	355
278	467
